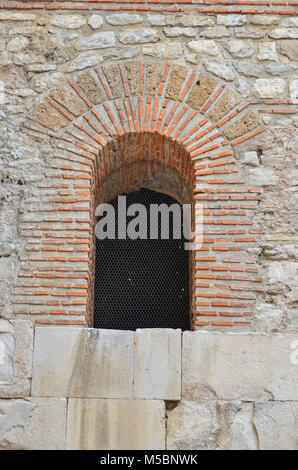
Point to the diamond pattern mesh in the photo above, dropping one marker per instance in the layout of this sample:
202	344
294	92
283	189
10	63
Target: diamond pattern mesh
142	283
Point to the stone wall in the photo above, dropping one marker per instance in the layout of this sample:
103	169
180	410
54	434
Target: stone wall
196	99
79	87
150	389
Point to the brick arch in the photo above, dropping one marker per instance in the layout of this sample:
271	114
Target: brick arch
117	127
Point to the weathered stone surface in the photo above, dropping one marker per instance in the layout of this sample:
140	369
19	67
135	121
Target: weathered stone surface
65	96
293	87
7	345
120	19
155	19
48	117
238	48
238	366
11	16
157	373
153	74
201	91
246	123
195	20
289	49
280	69
17	44
74	362
267	51
68	21
84	60
89	85
268	317
204	46
95	21
132	74
177	31
283	272
215	32
226	103
231	20
211	425
220	70
250	158
249	33
277	425
134	37
269	88
284	33
176	80
170	50
249	69
97	41
262	176
264	20
122	53
94	424
113	77
33	424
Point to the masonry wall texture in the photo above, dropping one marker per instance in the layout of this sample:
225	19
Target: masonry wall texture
196	99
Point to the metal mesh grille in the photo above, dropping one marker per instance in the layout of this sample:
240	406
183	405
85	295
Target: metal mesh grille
142	283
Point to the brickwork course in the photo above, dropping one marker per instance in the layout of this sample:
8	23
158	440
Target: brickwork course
197	99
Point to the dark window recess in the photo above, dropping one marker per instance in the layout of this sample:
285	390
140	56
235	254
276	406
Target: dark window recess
142	283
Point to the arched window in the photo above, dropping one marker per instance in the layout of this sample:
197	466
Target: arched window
143	283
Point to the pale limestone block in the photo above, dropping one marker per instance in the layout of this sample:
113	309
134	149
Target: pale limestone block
211	425
277	425
97	41
33	424
94	424
157	371
238	366
269	88
75	362
16	337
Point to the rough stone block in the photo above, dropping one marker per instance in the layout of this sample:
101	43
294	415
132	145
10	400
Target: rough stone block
157	373
269	88
65	96
75	362
201	91
226	103
262	176
89	85
238	366
204	46
132	73
289	48
122	19
100	40
211	425
277	425
153	74
176	80
33	424
113	78
94	424
48	117
16	350
246	123
134	37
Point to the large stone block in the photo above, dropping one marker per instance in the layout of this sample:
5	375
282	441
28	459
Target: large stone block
95	424
238	366
75	362
33	424
158	364
211	425
277	425
16	350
